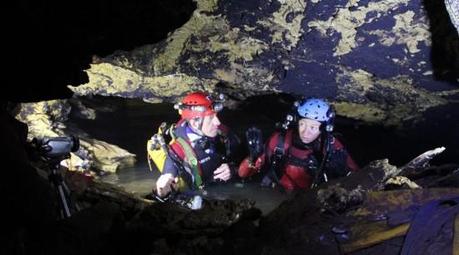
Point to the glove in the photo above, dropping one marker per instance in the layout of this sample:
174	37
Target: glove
246	169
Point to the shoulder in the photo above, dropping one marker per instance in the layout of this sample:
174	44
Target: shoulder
177	147
274	139
337	144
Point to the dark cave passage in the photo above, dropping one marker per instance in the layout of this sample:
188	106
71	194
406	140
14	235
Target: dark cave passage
128	123
54	42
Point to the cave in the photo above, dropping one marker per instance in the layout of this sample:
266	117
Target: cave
110	72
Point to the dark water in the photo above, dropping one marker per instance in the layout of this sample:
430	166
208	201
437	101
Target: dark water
140	181
130	123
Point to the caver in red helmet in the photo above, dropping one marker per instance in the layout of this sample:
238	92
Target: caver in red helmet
197	104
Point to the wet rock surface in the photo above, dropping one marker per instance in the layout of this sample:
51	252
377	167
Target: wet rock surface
372	58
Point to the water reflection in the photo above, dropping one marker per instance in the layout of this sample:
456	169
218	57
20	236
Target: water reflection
140	180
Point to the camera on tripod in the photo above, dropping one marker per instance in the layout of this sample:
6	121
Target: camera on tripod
53	150
56	148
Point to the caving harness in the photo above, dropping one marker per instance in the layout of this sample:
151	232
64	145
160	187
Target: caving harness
179	150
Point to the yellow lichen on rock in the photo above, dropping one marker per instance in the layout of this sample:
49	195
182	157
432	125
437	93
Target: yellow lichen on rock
406	31
238	74
166	60
409	100
288	32
120	78
46	119
176	84
154	72
108	79
410	32
369	113
206	5
230	41
108	157
227	75
237	47
347	21
401	180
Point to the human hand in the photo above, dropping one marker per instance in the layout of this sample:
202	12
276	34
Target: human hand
254	142
246	169
223	172
165	184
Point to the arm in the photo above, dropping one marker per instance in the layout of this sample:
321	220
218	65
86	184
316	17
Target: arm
340	161
249	167
168	180
254	144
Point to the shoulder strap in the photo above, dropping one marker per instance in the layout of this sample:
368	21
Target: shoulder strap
283	143
279	150
190	158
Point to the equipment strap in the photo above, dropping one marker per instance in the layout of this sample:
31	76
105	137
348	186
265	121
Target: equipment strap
191	159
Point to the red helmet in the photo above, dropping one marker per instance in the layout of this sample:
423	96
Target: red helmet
197	104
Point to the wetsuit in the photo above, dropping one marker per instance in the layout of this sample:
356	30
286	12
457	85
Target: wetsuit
209	152
300	161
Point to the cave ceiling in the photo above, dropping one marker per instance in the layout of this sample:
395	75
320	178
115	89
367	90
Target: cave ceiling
383	61
373	59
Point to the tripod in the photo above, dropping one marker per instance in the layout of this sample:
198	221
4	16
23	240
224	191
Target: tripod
63	192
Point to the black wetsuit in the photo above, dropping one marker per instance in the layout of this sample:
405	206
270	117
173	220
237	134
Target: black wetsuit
210	153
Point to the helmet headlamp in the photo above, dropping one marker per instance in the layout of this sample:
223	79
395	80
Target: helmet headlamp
199	104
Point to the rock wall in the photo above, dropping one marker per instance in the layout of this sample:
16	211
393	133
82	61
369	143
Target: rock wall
373	58
48	119
453	9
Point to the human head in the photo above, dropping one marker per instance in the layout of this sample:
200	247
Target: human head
314	116
200	111
208	125
308	130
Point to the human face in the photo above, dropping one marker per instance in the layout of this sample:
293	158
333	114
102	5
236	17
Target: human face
210	125
308	130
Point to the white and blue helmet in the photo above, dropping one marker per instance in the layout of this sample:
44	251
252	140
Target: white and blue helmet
315	109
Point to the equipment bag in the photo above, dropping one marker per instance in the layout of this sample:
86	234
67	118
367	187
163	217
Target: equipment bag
157	146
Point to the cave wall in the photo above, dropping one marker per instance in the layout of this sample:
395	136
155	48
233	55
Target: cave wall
50	119
377	60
